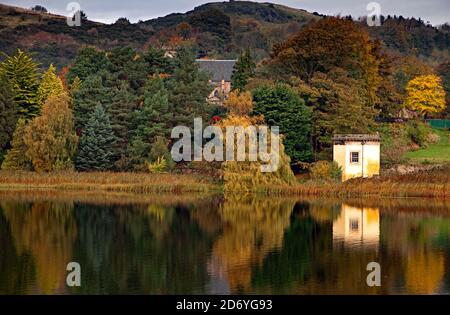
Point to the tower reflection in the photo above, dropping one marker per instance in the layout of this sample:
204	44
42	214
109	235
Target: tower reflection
357	227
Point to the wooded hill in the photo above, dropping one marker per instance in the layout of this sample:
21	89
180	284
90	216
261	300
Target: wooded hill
220	30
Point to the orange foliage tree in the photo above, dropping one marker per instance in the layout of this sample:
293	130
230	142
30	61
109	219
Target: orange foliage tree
50	138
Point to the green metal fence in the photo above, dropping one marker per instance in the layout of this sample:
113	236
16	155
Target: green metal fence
439	123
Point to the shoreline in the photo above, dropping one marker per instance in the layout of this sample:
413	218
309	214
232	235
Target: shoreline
433	184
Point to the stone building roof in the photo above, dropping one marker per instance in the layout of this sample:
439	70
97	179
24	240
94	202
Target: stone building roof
357	138
218	69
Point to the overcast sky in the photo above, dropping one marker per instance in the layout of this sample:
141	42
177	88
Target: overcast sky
434	11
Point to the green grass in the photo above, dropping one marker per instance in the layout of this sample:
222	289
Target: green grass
435	153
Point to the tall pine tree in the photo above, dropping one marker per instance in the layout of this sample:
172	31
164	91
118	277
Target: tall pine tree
157	62
120	113
91	93
21	72
8	115
151	120
282	107
95	150
88	61
189	88
243	71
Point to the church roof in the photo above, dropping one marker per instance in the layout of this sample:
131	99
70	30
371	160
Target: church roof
218	69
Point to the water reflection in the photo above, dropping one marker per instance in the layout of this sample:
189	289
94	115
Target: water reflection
217	245
357	227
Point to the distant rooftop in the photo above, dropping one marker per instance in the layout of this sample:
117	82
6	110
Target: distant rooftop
357	137
218	69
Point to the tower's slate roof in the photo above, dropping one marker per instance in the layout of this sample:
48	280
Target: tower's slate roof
357	137
218	69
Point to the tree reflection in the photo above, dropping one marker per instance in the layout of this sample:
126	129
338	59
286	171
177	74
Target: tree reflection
47	231
252	228
224	245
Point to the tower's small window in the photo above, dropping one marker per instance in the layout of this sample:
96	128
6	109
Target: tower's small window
354	157
354	225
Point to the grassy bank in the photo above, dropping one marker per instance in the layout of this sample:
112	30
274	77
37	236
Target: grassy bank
113	182
434	183
434	153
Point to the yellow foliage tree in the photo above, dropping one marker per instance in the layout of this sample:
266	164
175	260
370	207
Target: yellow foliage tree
51	85
50	138
246	176
425	94
239	103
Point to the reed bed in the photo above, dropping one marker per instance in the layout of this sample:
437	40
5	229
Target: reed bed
426	184
102	181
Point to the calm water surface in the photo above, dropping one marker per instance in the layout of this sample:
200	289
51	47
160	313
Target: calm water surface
217	245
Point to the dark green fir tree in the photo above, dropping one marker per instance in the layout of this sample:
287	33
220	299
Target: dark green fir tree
95	150
152	120
243	71
8	115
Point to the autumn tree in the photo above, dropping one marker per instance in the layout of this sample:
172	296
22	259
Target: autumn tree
337	108
425	95
21	73
247	176
95	151
50	138
282	107
389	98
320	46
407	68
239	103
8	115
16	158
51	85
328	44
243	71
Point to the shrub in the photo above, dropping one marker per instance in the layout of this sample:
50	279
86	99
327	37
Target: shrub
395	142
159	149
324	170
433	138
418	132
159	166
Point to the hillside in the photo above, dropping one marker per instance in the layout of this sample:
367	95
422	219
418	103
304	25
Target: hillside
220	30
224	28
52	40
